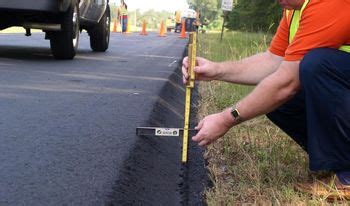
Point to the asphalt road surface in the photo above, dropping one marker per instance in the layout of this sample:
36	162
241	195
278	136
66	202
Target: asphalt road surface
67	128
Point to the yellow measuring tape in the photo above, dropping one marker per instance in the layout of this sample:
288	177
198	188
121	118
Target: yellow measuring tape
192	51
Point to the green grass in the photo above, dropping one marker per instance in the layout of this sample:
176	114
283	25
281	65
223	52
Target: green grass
15	30
254	163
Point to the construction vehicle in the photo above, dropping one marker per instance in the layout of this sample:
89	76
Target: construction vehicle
189	16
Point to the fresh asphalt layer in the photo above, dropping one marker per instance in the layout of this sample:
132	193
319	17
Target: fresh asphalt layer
67	128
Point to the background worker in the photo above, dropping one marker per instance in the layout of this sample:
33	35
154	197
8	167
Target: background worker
178	21
197	22
303	85
123	15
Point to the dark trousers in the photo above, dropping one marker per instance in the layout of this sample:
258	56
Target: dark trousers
318	117
124	22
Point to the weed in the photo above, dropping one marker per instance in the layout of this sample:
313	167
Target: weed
254	163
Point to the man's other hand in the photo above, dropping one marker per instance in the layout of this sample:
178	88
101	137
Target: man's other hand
213	127
205	70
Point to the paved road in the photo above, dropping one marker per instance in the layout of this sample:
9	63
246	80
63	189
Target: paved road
67	126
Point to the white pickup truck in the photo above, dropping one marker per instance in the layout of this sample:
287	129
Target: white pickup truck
62	21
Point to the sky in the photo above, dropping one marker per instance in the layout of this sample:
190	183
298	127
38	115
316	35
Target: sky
144	5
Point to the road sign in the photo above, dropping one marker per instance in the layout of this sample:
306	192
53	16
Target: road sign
227	5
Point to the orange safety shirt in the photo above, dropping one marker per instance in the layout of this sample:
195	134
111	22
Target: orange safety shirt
323	23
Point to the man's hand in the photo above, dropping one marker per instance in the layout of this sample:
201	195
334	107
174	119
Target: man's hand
205	70
213	127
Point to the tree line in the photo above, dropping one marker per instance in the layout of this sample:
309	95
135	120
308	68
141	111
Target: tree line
136	17
247	15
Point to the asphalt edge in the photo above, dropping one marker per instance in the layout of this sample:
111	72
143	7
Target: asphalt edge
153	174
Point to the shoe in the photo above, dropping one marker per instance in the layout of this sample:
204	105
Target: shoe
328	187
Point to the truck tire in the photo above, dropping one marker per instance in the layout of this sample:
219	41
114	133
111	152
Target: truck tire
64	43
99	34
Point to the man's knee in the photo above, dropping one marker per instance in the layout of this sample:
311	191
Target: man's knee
315	63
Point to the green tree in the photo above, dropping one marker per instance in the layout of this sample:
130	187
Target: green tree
152	17
254	15
208	8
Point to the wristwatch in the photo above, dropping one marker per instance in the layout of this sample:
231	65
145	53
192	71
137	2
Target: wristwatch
235	113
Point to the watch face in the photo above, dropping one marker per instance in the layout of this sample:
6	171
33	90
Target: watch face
235	113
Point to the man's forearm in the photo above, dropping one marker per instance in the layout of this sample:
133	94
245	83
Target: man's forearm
272	92
250	70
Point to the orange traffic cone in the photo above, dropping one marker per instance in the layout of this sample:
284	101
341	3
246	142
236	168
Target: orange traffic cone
183	30
115	26
128	27
162	30
143	32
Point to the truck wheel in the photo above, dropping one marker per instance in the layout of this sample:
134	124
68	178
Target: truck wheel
99	34
64	43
